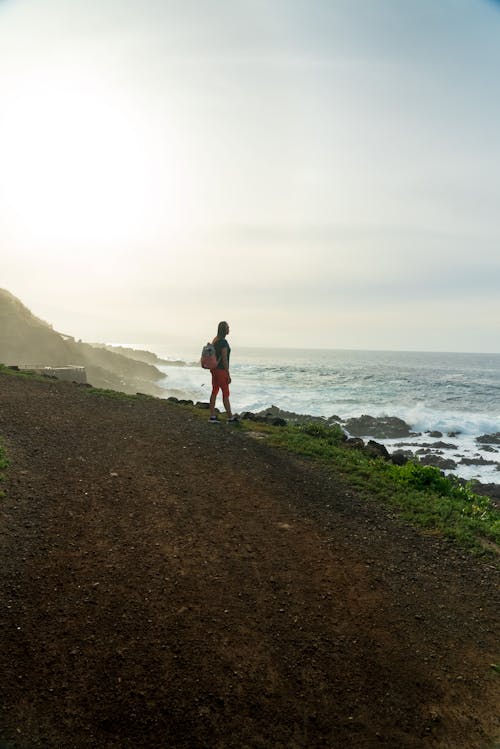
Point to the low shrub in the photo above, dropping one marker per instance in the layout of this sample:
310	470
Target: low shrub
332	435
421	494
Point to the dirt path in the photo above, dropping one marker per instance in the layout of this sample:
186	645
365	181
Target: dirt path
167	583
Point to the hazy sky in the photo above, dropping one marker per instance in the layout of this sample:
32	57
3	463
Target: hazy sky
320	173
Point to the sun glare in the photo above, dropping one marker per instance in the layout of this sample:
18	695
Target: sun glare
83	166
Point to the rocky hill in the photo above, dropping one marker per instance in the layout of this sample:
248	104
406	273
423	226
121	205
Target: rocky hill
26	340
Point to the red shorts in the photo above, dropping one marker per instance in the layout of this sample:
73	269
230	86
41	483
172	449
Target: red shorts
220	379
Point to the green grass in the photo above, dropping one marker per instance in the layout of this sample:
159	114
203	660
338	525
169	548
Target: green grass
32	375
421	494
26	373
113	394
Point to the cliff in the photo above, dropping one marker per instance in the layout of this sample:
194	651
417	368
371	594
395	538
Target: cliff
27	340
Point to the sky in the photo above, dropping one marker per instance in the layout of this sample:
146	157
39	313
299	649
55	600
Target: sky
319	173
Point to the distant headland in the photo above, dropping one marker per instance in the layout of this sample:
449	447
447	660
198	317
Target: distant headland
28	341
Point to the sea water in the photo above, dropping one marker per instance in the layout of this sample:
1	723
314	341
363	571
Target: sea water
446	392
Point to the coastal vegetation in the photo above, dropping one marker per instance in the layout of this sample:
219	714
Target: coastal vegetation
421	494
122	549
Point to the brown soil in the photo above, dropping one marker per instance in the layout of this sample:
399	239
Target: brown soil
168	583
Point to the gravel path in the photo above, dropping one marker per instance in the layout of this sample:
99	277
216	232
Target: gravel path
166	583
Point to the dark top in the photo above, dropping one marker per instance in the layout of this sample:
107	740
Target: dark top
219	345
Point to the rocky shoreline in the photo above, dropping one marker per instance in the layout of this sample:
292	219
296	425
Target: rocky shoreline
362	433
146	605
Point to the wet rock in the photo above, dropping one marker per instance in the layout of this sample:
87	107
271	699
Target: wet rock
401	457
423	451
355	442
265	417
412	444
446	464
444	446
478	460
278	422
488	490
435	433
383	427
454	434
376	450
273	412
489	439
488	449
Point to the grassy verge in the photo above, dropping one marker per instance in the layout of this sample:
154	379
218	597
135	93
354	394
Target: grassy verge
421	494
32	375
113	394
26	373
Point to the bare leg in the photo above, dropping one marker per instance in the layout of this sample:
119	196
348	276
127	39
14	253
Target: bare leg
227	406
212	404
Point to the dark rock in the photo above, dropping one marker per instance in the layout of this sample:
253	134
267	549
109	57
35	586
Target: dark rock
376	450
278	422
489	439
488	449
435	434
444	445
438	462
202	405
487	490
355	442
412	444
180	401
453	434
423	451
478	460
383	427
401	457
273	412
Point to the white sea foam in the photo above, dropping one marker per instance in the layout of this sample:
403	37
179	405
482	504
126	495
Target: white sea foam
449	393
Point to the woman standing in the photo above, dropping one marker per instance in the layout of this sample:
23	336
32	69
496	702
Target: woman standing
220	375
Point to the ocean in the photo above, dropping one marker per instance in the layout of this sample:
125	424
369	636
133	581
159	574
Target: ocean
445	392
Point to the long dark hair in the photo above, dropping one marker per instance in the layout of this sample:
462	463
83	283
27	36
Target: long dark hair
222	329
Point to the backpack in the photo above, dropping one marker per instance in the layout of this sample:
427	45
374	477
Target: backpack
209	357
